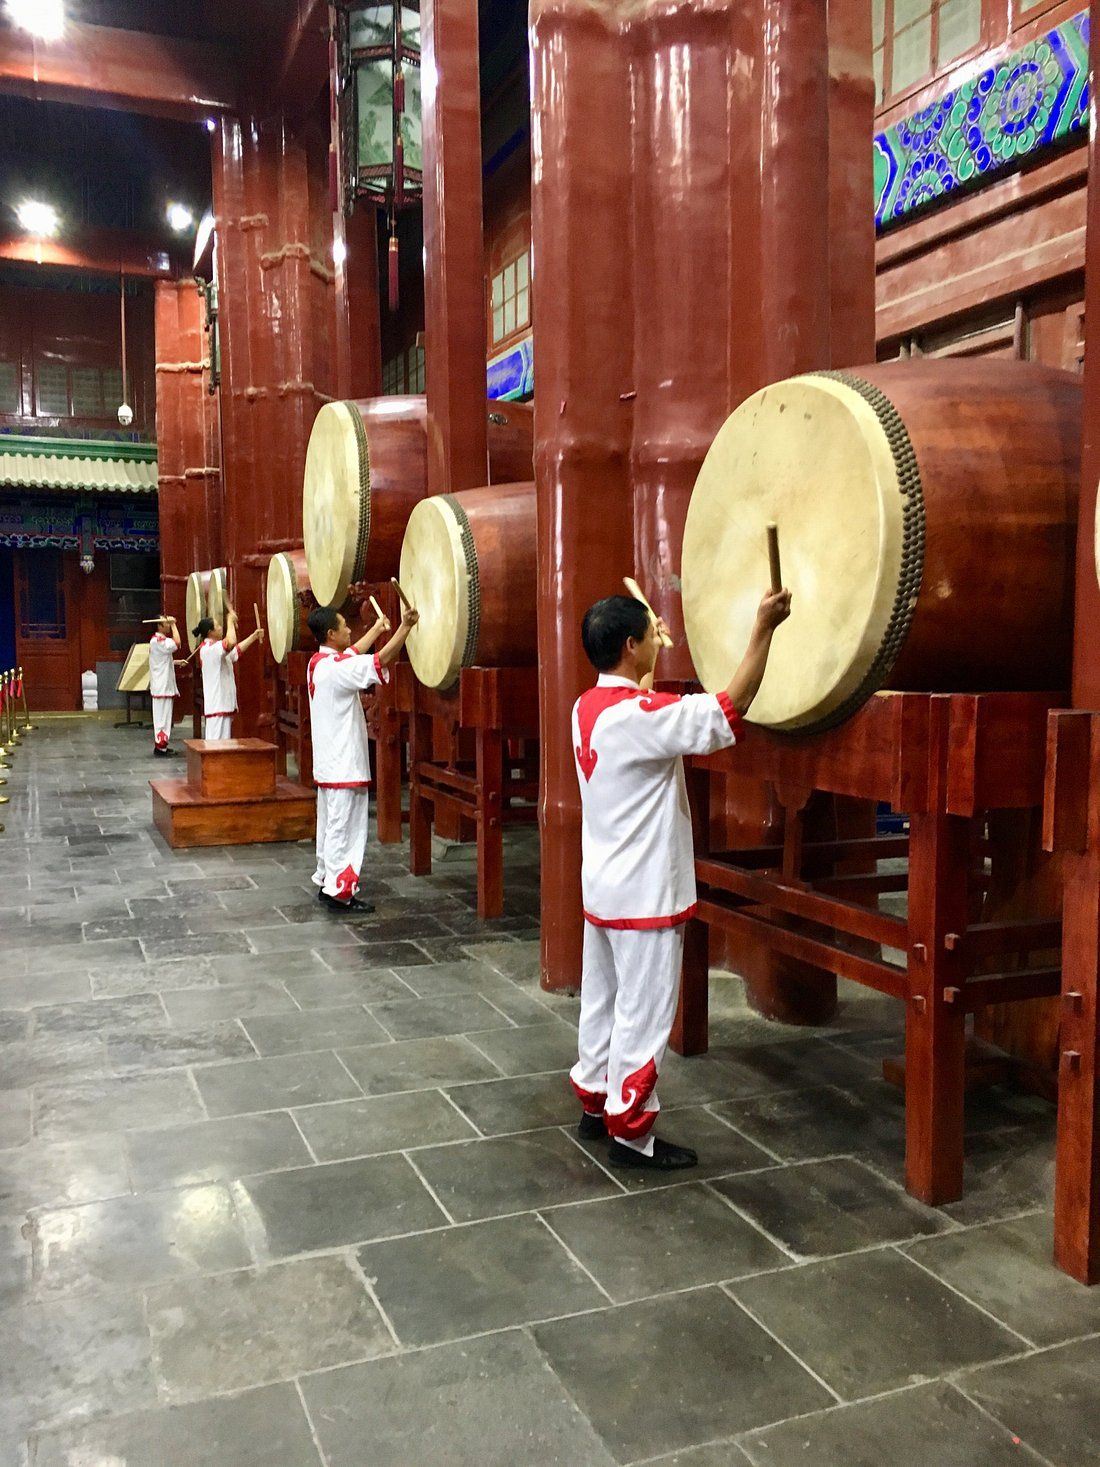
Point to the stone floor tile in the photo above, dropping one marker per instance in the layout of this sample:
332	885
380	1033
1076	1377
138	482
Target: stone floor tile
191	1006
910	1326
427	1018
246	1329
519	960
27	990
805	1125
480	1179
722	1151
260	1428
497	1107
1006	1173
51	1058
531	1050
171	1047
317	937
463	1281
71	1358
272	1084
379	954
656	1242
129	1242
295	1033
134	1102
460	975
215	1151
383	1123
277	967
493	1400
675	1372
417	1064
1007	1268
15	1271
1048	1399
53	1174
822	1207
715	1454
15	1117
914	1428
211	945
339	1203
99	1014
355	986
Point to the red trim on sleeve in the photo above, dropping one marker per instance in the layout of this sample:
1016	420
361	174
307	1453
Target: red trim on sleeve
383	672
642	924
733	718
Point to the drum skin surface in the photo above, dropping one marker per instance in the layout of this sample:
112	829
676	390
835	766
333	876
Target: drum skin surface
288	603
927	518
367	468
195	604
216	592
468	564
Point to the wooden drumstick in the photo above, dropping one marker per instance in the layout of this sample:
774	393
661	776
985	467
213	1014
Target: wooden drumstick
773	558
636	591
256	613
379	613
405	602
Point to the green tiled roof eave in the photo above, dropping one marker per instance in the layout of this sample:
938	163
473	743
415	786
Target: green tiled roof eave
78	465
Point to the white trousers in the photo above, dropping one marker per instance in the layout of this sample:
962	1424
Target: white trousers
162	721
630	981
217	728
342	817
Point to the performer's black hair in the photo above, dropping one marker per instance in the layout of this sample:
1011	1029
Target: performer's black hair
322	620
204	628
606	627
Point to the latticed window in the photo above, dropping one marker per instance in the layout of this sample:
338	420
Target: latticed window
52	389
9	387
915	40
511	298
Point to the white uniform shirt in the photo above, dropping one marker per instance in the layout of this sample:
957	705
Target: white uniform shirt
341	753
219	684
637	856
162	667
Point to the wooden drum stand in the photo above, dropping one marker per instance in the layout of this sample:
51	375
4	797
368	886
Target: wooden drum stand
947	760
497	709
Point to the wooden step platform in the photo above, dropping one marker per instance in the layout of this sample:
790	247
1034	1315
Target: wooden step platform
232	796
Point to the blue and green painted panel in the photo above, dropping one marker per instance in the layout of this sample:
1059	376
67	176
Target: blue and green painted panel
1032	99
512	374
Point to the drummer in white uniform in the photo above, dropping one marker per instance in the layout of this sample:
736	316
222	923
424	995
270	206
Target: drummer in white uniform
163	646
219	650
637	862
337	674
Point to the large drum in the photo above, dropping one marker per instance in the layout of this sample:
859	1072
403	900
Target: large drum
217	596
289	602
468	566
366	467
198	583
927	515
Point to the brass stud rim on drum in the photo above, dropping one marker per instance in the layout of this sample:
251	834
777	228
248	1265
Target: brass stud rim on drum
469	551
363	544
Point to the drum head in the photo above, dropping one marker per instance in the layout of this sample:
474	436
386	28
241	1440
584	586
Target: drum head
336	502
195	604
283	611
437	556
813	455
215	597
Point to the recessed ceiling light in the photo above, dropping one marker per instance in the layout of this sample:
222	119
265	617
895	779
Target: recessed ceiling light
210	124
43	18
180	217
37	218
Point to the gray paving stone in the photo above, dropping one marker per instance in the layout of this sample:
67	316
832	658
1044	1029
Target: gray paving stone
295	1033
824	1207
675	1372
911	1429
250	1328
96	1015
383	1123
417	1064
215	1151
204	1005
27	990
497	1107
15	1117
317	937
49	1058
519	960
129	1242
531	1050
654	1242
493	1400
428	1018
910	1326
1048	1399
171	1047
463	1281
806	1125
271	1084
356	986
339	1203
134	1102
261	1428
276	967
51	1175
157	977
1005	1174
462	975
212	945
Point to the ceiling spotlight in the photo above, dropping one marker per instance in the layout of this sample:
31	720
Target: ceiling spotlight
43	18
210	124
37	219
180	217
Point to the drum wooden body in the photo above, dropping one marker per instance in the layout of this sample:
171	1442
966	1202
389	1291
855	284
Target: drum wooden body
468	566
289	602
927	518
216	591
198	583
367	467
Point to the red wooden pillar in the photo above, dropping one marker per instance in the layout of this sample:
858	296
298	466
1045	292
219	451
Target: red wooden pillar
189	491
272	203
358	327
851	184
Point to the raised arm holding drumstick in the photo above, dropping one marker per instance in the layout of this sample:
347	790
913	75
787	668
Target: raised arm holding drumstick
163	691
218	651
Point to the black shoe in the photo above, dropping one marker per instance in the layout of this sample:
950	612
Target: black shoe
353	904
592	1128
666	1157
170	753
159	753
